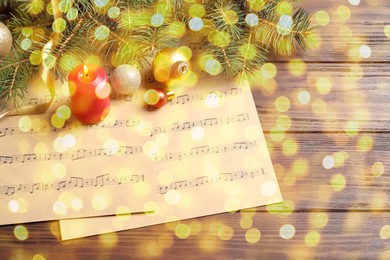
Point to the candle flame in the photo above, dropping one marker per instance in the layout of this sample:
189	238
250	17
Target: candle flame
86	70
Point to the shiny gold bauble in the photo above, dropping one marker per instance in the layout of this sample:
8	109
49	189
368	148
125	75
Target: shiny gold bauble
5	40
169	63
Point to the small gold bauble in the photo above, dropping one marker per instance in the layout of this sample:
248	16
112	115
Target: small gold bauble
125	79
5	40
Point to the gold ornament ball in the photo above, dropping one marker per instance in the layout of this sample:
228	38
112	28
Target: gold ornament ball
125	79
5	40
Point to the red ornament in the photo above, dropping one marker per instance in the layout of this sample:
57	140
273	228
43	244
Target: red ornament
89	93
157	97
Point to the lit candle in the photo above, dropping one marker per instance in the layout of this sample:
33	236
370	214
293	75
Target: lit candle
89	93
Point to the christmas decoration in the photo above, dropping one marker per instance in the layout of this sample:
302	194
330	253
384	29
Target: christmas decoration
89	93
170	63
232	37
125	79
5	40
157	97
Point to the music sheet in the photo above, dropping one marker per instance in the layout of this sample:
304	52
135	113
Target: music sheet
206	154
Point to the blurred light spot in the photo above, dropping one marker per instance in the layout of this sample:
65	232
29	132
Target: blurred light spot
320	220
197	133
318	106
252	19
60	208
196	24
166	240
150	148
378	169
287	231
322	18
225	233
172	197
154	248
76	204
212	100
213	67
365	143
283	209
312	238
144	128
69	140
151	208
157	20
351	128
323	86
338	159
356	72
246	222
208	243
285	24
13	206
268	188
304	97
253	235
21	232
283	122
101	3
232	205
297	67
354	2
338	182
344	12
39	257
162	139
365	51
268	70
25	124
252	132
300	168
290	147
111	146
282	104
328	162
63	112
386	30
59	170
277	135
385	232
196	227
22	205
114	12
99	202
102	90
109	240
345	33
123	213
57	122
182	231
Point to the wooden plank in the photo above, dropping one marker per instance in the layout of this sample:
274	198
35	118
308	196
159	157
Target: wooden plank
342	235
307	185
360	97
366	23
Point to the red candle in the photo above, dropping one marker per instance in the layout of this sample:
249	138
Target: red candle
89	93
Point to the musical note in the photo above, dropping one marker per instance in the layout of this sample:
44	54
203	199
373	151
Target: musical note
70	155
187	98
204	150
207	122
71	183
206	180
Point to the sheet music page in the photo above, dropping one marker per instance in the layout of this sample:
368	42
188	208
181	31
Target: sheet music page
76	171
208	155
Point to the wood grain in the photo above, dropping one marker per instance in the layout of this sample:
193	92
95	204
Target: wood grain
349	221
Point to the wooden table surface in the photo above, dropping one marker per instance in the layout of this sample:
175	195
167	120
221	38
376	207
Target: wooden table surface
332	162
